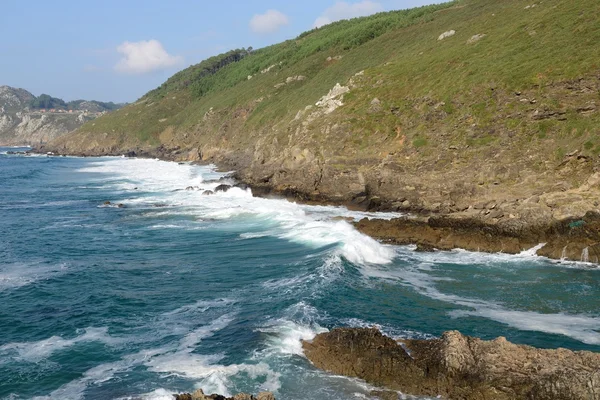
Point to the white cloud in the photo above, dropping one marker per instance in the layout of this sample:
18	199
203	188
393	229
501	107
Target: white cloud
345	10
269	22
145	56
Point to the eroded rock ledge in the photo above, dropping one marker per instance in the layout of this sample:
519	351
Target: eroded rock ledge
457	366
575	239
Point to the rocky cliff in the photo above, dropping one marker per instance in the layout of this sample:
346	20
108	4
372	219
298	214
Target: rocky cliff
22	125
474	109
457	366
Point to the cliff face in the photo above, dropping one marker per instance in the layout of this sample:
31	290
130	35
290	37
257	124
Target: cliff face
479	109
21	125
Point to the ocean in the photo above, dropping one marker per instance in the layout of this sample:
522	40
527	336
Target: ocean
177	290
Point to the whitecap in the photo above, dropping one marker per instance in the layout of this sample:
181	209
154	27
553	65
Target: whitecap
156	357
42	349
99	374
312	226
285	336
212	377
16	275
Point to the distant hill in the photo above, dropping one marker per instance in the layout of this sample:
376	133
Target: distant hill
47	102
27	119
93	105
486	108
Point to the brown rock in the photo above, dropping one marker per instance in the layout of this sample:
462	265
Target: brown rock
575	239
199	395
457	366
243	396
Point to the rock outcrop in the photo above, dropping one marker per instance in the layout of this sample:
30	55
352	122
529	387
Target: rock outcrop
457	366
574	239
199	395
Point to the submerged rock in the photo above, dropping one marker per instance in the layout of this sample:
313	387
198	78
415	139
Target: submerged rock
424	248
109	204
199	395
457	366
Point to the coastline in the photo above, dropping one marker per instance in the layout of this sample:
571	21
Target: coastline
572	238
423	225
455	366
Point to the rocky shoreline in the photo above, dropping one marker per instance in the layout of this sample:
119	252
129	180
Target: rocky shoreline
199	395
484	226
457	366
570	239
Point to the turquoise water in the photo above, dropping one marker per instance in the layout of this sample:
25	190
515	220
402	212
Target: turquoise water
178	290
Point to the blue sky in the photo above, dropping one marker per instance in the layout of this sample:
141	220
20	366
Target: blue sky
116	50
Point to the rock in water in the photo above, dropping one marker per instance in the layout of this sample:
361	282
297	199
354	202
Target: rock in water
199	395
457	366
222	188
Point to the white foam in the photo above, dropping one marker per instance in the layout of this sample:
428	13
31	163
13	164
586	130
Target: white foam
533	251
16	275
285	337
312	226
97	375
151	174
388	330
584	328
182	321
159	358
185	319
158	394
36	351
212	376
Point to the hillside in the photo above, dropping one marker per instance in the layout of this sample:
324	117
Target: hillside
474	108
27	119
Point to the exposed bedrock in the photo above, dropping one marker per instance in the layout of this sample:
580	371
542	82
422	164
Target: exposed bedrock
457	366
576	239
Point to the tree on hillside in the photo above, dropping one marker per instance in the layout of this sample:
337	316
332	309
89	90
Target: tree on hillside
47	101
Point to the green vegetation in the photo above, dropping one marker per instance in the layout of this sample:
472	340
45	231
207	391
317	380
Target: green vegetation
47	101
198	76
588	145
480	97
93	105
420	142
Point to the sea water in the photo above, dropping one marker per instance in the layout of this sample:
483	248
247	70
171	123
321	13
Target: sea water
178	290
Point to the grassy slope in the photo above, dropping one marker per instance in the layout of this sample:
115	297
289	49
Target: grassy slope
231	88
446	107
